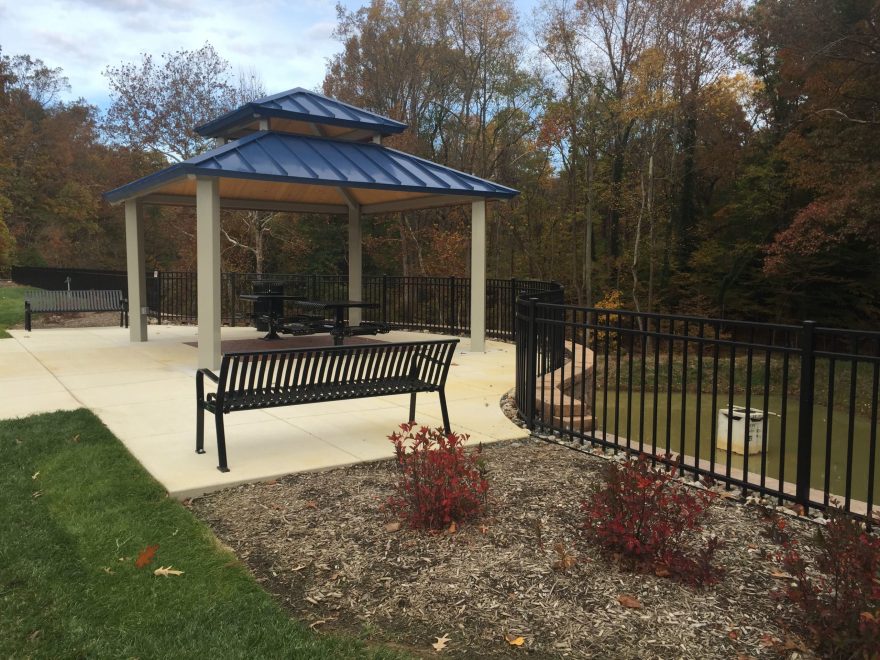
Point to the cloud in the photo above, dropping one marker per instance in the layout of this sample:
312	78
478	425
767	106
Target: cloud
286	43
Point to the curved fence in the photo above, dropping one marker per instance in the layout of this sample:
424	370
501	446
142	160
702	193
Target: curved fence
785	411
437	304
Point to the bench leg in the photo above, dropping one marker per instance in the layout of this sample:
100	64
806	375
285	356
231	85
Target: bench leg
444	412
221	442
412	408
27	317
200	429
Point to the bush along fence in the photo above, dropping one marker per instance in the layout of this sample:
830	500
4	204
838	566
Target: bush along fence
787	412
437	304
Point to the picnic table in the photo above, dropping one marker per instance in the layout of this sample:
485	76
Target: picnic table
338	327
274	320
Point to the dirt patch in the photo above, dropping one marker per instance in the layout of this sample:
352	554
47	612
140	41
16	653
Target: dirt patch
319	543
73	320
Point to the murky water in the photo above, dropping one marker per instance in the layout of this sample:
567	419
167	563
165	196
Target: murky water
839	445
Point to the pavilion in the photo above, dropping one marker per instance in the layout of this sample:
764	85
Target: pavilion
298	151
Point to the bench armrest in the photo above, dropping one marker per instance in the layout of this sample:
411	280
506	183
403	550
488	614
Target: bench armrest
207	372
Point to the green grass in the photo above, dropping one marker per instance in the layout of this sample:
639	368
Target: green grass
11	307
75	511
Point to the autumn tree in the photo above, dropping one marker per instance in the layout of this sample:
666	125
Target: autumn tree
453	71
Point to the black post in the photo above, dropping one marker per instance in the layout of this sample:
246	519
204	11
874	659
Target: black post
805	416
158	275
233	295
531	364
450	319
384	299
513	306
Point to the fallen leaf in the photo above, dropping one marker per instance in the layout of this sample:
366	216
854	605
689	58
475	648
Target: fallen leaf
146	557
108	570
453	528
37	493
75	438
311	504
483	529
392	527
166	571
299	568
780	575
513	640
565	560
768	640
441	643
867	617
662	571
271	482
794	644
35	475
732	634
34	635
629	601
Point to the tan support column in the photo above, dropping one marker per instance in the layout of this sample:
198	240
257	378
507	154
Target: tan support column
355	263
137	284
478	276
208	270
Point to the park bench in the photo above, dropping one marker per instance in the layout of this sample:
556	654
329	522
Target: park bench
97	300
287	377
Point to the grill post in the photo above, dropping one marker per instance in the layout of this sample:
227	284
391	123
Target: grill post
805	415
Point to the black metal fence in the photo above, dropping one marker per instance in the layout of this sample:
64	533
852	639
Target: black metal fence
788	412
438	304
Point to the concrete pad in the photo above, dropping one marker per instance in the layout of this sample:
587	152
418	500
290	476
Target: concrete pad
22	406
145	393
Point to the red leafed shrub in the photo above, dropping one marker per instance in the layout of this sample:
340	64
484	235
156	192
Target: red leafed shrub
440	483
840	600
642	515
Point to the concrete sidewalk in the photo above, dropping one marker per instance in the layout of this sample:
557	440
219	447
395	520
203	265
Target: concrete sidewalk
145	394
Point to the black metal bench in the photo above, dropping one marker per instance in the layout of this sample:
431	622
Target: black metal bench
267	379
96	300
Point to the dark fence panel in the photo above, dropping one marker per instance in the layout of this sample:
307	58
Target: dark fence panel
436	304
790	412
80	279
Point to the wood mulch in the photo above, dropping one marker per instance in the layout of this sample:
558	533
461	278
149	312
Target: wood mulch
323	544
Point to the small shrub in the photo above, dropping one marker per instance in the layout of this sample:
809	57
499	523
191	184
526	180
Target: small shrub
840	600
642	515
440	483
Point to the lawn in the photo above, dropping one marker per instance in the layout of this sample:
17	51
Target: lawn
11	307
76	512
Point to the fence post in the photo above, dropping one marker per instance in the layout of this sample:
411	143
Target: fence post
513	288
450	318
805	416
384	298
159	276
233	297
531	364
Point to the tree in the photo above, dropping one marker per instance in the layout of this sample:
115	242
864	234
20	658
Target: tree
156	106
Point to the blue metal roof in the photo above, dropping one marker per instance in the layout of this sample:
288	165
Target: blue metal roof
289	158
302	105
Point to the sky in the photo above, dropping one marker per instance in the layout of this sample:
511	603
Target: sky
286	42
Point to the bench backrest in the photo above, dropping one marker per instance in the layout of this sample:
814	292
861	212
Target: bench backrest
242	374
98	300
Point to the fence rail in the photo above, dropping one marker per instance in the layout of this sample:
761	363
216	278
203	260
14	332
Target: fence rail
789	412
438	304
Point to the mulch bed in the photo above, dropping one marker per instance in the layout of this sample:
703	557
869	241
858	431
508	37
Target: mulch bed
322	544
